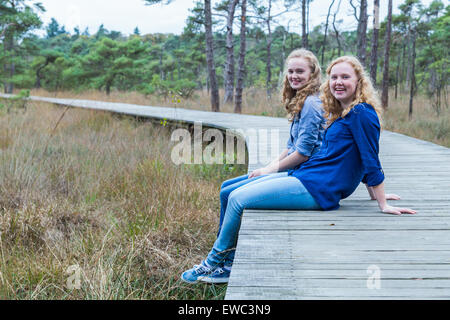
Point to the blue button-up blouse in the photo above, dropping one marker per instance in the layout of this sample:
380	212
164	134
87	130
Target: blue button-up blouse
348	155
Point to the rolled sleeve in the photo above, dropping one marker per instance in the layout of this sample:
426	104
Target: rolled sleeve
309	126
375	178
289	144
365	128
364	179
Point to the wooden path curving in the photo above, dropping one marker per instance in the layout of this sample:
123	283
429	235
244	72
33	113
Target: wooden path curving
355	252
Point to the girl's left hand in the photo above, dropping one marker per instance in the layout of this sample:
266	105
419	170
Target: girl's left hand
397	211
388	196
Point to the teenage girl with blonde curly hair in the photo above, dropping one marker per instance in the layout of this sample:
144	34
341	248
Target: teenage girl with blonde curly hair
349	153
271	187
364	91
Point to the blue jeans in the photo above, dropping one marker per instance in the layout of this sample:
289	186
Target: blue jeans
273	191
227	187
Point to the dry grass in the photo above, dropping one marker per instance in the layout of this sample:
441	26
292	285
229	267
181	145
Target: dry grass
425	123
100	193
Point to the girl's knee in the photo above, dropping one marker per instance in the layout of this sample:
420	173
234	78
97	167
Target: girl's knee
224	193
235	197
232	181
223	185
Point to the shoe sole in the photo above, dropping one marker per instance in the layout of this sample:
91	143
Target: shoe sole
212	280
191	282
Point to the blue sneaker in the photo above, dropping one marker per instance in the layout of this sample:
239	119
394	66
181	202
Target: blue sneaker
197	273
219	275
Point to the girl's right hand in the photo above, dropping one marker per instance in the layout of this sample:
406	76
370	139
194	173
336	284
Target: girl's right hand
397	210
262	171
254	173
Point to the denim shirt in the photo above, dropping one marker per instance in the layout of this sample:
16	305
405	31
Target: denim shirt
307	128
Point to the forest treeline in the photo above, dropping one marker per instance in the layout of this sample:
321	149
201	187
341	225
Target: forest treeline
407	52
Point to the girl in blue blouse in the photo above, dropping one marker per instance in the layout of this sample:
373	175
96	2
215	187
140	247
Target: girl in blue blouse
266	188
349	153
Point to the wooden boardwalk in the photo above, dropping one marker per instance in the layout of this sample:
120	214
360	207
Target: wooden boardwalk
355	252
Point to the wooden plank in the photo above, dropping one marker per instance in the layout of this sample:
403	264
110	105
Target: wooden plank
339	281
401	274
299	266
323	241
298	292
340	256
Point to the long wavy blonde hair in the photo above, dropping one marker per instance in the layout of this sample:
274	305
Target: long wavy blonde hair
293	100
365	92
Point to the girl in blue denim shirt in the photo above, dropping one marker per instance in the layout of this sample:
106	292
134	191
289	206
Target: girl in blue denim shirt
266	188
299	95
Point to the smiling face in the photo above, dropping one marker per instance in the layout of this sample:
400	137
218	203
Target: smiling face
298	72
343	83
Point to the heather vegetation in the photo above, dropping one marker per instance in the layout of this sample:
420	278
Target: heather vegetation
92	197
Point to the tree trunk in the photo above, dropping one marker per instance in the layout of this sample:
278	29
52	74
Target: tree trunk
362	30
385	83
9	66
374	51
108	88
283	50
326	30
269	50
413	77
229	65
336	31
397	76
304	22
241	67
308	2
39	75
210	58
402	71
161	73
408	65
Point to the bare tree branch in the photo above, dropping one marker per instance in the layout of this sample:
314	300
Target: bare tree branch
355	11
6	27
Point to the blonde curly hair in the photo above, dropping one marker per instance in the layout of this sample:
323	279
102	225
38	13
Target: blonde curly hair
365	92
293	100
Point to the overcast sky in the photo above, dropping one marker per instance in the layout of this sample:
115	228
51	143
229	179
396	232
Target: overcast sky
124	16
